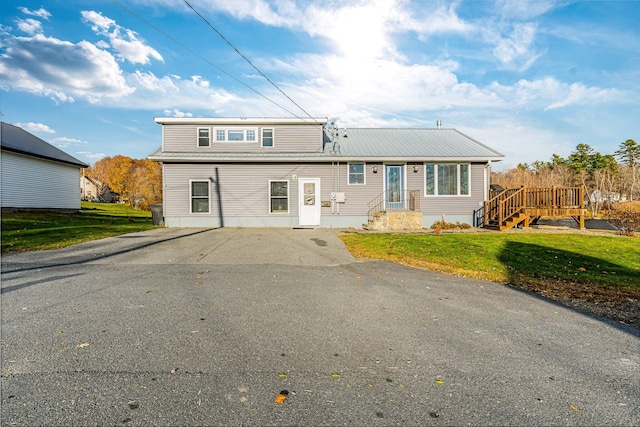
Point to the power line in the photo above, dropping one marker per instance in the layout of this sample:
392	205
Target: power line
247	59
205	59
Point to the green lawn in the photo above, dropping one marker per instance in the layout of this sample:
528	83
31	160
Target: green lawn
571	265
30	231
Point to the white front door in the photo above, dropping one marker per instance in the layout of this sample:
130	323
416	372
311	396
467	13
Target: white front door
309	201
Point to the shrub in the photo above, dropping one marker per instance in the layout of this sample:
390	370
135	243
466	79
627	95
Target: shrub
624	219
443	225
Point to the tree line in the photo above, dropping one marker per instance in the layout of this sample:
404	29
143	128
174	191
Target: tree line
607	178
137	182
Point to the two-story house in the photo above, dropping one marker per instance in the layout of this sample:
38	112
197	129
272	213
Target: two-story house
295	172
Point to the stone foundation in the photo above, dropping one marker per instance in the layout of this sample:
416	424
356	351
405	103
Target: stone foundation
397	220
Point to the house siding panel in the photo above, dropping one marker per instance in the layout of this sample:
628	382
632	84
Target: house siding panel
28	182
287	138
244	191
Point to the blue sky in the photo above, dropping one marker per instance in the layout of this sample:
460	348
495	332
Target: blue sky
529	78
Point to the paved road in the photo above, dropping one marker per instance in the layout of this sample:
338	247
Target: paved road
207	327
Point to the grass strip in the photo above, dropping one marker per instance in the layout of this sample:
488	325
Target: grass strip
30	231
570	263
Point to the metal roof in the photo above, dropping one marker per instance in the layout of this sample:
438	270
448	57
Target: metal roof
359	144
18	140
412	144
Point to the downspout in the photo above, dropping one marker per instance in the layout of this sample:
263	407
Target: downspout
487	180
333	187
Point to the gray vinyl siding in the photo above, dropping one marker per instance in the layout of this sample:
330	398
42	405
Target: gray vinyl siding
244	191
29	182
287	138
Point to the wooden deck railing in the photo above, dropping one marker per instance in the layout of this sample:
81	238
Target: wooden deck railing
511	202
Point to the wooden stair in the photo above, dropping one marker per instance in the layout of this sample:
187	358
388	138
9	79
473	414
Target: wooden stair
508	224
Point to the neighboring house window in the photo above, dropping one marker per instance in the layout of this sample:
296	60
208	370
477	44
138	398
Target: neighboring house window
446	179
356	173
236	135
267	137
279	196
204	137
199	196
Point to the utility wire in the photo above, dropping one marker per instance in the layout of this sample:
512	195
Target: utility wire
247	59
205	59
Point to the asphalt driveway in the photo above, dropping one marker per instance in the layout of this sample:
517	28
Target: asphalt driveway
207	327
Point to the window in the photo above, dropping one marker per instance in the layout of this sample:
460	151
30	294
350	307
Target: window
236	135
199	196
279	196
356	173
203	137
446	179
267	137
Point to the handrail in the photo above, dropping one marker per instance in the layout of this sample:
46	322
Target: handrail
408	200
508	203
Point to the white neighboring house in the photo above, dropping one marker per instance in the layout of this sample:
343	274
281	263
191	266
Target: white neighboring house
36	175
94	190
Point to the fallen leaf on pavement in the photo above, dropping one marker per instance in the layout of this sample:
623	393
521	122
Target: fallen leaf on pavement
281	397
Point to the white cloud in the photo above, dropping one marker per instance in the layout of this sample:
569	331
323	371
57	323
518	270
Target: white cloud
527	9
40	13
549	93
64	142
515	50
91	156
176	113
124	41
30	26
35	127
60	69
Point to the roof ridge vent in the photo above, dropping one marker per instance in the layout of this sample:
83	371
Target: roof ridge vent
439	124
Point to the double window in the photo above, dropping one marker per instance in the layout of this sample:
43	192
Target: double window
279	196
356	174
200	196
206	135
236	134
446	179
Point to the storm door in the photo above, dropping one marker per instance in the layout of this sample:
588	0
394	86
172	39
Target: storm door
394	185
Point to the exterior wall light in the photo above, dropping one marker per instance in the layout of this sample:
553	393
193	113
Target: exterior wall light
375	169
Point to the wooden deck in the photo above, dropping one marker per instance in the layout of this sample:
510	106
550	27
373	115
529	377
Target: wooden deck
523	205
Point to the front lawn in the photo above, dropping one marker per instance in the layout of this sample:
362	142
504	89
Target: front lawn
30	231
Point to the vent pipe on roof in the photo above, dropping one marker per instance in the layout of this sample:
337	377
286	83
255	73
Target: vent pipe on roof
439	124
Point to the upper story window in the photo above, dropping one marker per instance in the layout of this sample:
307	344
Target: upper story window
204	137
236	135
267	137
446	179
356	174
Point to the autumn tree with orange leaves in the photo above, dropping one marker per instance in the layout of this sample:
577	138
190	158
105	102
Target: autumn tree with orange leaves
138	182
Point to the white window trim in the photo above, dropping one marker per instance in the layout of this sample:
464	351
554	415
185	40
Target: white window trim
288	197
234	129
198	137
364	172
191	197
435	177
273	137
